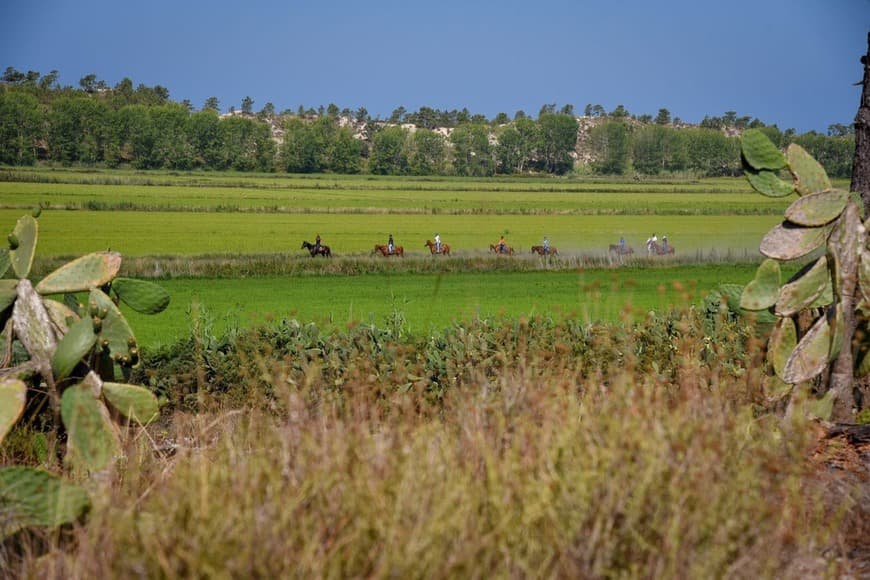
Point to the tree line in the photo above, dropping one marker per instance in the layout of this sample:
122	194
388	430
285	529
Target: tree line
141	127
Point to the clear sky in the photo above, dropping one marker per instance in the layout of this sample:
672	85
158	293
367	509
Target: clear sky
788	62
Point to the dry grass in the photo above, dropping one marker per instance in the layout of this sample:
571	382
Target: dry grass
539	465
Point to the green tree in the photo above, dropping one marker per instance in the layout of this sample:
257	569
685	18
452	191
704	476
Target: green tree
203	130
610	143
133	137
248	144
247	105
516	145
20	127
211	104
429	153
663	117
711	152
557	139
620	112
300	151
398	115
656	148
501	119
472	153
268	111
389	154
172	148
345	152
78	130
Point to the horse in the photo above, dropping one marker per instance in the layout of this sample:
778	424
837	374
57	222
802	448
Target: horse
661	250
495	249
385	251
542	252
314	250
445	248
621	250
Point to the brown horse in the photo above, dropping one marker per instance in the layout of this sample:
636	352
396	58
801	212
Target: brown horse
445	248
507	249
385	251
618	249
541	252
315	251
661	250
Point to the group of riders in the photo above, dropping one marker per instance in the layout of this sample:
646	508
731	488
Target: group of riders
652	245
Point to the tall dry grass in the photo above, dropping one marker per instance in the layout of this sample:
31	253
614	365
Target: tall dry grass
536	466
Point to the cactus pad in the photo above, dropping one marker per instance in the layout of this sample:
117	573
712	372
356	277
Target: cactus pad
61	315
92	442
32	324
760	153
8	294
787	241
783	339
804	289
767	183
141	295
762	292
32	497
85	273
13	395
74	345
811	355
24	237
136	403
5	261
115	328
817	209
810	176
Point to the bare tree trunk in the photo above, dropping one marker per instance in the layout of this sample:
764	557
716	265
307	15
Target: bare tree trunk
861	178
861	161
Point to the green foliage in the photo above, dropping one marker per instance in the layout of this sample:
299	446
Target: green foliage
611	143
472	152
558	137
389	154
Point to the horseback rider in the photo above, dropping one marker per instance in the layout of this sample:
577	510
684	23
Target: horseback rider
546	246
622	244
437	243
651	243
665	244
317	244
502	245
390	245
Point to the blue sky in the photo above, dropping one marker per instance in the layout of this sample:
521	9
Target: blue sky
792	63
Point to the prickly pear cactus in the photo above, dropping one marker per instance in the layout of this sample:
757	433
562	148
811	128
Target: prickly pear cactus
821	306
74	350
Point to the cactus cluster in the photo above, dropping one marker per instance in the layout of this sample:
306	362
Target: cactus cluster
820	307
78	344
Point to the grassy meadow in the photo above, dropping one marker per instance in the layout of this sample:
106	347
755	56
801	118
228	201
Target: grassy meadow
464	416
427	301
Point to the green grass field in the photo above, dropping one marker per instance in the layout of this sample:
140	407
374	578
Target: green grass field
425	301
160	216
138	233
